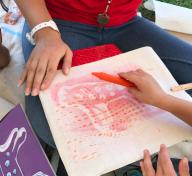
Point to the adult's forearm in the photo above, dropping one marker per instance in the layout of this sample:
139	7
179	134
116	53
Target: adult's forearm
178	107
34	11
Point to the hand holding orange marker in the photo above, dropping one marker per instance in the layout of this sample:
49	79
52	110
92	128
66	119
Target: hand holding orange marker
113	79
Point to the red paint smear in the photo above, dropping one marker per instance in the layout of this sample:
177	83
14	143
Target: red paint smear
98	108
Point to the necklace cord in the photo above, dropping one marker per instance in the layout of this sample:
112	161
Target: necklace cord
107	6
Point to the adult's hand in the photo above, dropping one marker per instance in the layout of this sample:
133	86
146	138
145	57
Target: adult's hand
164	165
43	61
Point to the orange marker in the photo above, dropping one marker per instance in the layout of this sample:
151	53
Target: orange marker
113	79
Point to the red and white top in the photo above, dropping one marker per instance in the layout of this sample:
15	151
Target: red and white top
86	11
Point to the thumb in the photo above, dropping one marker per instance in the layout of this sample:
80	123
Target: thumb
67	61
130	76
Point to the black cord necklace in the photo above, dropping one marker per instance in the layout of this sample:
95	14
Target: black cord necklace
103	18
4	6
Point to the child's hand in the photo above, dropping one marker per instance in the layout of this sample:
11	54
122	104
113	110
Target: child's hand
148	90
164	165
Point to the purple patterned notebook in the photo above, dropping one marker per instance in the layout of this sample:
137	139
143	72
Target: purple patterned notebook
20	151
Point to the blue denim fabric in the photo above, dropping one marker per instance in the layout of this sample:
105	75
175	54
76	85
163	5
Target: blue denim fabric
139	32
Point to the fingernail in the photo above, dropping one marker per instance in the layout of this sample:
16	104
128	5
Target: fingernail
27	92
185	160
43	86
162	146
66	71
35	92
19	84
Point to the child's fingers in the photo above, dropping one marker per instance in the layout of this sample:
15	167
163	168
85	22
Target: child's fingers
159	171
184	167
165	161
148	167
130	76
142	168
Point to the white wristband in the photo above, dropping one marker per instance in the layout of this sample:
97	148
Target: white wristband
50	24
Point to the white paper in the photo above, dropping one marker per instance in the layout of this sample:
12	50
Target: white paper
171	17
98	126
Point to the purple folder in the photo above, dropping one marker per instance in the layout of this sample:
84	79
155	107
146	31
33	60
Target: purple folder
20	151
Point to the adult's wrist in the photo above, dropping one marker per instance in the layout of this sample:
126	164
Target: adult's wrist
47	24
45	33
